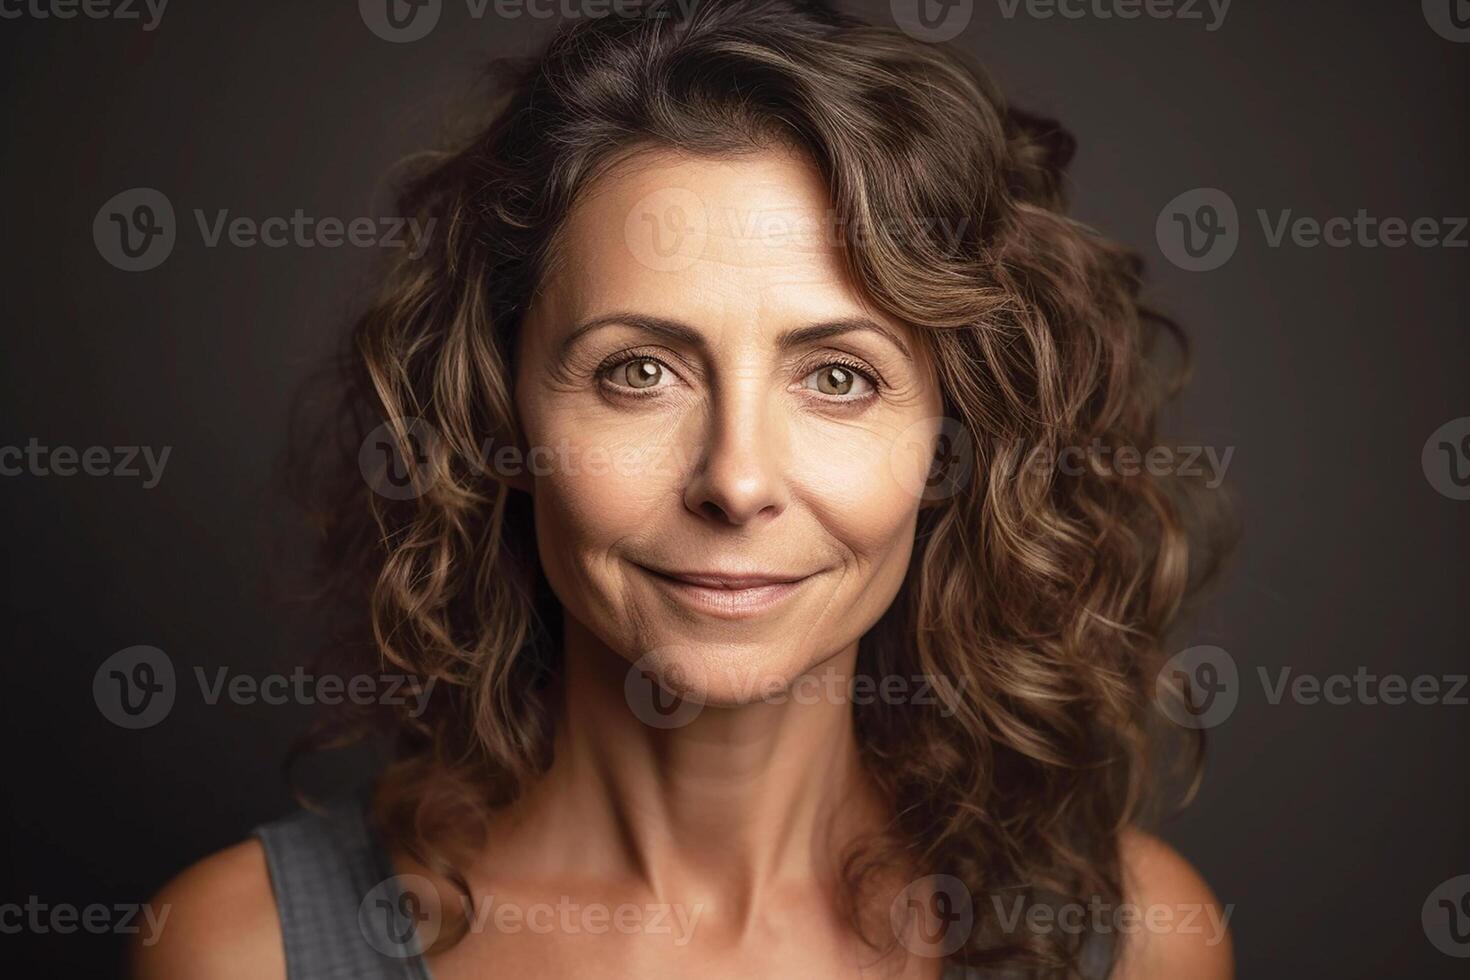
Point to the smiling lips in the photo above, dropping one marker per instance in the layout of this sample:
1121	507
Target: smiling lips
730	595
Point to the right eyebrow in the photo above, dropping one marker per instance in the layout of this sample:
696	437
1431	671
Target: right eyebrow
671	330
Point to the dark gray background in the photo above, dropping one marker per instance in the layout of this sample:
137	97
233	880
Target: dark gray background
1326	827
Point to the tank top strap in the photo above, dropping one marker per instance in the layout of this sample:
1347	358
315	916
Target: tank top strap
343	913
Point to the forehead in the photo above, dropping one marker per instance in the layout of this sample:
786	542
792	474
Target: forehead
707	241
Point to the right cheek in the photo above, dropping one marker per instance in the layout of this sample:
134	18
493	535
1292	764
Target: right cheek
595	511
579	515
567	556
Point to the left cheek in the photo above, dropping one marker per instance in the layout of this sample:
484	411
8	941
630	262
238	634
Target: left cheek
851	479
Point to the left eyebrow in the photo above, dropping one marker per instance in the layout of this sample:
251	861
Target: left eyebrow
834	328
677	332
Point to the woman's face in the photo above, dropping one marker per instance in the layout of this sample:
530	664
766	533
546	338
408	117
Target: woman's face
728	446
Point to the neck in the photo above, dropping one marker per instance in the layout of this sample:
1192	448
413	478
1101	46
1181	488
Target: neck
737	803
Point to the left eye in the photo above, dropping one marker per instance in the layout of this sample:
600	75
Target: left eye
838	381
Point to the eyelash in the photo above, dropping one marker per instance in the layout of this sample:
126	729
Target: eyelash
622	358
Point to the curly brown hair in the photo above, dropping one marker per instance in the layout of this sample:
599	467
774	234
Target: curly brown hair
1043	594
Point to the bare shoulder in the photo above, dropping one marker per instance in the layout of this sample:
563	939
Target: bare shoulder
1181	929
217	922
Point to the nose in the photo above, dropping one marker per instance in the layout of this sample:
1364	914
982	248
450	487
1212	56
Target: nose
738	477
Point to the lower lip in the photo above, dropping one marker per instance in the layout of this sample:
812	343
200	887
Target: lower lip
728	603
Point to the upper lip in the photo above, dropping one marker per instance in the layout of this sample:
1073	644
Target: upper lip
727	579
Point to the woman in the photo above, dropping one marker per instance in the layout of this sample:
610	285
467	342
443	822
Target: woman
763	633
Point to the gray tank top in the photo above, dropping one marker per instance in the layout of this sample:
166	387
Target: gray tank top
344	915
